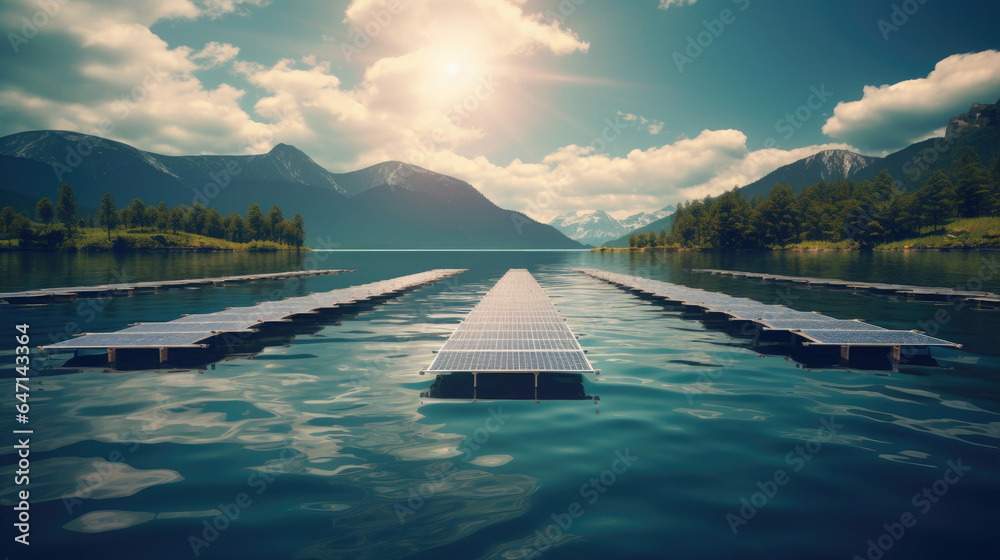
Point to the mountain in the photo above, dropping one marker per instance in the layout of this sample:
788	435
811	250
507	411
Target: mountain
636	221
591	227
595	227
388	205
666	223
978	129
828	165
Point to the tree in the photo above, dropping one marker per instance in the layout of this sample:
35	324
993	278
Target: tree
298	230
6	220
213	224
236	228
44	211
177	218
137	213
162	216
936	199
972	185
777	220
196	218
255	222
274	219
730	221
107	215
66	206
21	228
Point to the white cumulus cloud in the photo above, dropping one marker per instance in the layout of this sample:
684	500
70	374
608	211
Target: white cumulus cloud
892	116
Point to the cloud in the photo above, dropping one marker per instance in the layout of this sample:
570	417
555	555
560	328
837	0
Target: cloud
664	4
651	126
891	117
215	54
576	178
426	105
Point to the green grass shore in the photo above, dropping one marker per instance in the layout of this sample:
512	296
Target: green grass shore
966	233
95	239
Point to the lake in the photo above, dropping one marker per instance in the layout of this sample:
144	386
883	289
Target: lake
323	448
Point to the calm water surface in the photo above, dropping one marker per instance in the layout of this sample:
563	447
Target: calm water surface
323	448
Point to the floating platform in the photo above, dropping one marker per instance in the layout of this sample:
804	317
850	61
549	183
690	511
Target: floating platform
775	323
59	295
975	299
214	332
514	335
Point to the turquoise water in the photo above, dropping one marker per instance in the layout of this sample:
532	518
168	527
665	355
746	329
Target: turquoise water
323	448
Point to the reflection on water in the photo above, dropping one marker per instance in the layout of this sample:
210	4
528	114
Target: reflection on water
338	456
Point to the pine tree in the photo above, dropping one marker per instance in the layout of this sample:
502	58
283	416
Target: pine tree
137	213
255	222
107	215
66	206
44	211
936	199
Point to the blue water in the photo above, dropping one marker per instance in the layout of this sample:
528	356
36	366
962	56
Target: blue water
323	448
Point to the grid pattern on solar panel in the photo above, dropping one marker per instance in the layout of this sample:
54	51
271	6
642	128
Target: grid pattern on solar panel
139	340
816	328
827	324
185	331
515	327
510	361
170	327
872	338
488	334
528	344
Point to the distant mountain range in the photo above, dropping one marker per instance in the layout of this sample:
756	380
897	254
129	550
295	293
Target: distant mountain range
388	205
978	129
595	227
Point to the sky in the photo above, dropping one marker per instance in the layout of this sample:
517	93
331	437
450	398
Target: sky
545	106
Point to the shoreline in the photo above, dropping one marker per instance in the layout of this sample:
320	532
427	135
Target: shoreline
791	249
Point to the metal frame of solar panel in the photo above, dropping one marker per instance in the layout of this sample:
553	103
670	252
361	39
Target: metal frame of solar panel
514	328
815	329
189	330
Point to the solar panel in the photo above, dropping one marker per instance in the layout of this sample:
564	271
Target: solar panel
514	328
137	340
815	328
172	326
872	338
826	324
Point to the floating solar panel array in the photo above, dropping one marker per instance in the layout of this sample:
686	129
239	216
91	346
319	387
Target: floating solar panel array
812	328
514	328
194	331
979	299
52	295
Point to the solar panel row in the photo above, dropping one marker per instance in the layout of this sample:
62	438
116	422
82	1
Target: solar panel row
514	328
194	330
813	328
